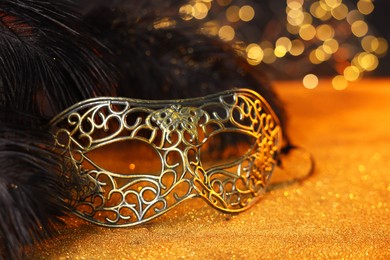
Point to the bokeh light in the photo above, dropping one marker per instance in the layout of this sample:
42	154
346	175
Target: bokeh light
297	47
340	12
246	13
339	82
352	73
254	54
226	33
310	81
365	6
232	14
359	28
200	10
304	37
307	32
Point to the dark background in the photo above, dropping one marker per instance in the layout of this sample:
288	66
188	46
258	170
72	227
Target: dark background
379	19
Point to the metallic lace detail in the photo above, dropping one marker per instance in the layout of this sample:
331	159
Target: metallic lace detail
180	128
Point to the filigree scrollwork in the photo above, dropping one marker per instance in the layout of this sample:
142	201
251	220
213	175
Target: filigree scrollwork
177	131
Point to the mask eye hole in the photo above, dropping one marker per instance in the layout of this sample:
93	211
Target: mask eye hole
125	157
225	148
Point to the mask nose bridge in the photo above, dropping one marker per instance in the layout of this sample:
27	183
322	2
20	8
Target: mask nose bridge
184	123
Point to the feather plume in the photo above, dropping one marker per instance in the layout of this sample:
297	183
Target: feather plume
48	58
30	183
48	61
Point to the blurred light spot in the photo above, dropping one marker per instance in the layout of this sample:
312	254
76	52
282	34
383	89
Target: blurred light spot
340	12
282	46
280	51
294	13
357	60
285	42
321	55
330	46
339	82
254	54
313	57
320	11
351	73
297	47
324	5
186	12
307	32
246	13
310	81
324	32
226	33
382	47
211	28
368	61
295	4
295	17
365	6
313	8
232	14
164	23
359	28
369	43
269	56
200	10
132	166
333	3
354	16
308	19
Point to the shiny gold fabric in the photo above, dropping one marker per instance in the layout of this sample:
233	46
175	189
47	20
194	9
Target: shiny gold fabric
342	211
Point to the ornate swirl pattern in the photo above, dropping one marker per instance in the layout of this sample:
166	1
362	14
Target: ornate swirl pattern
177	131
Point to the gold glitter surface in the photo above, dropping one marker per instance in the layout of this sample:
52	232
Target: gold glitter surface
342	211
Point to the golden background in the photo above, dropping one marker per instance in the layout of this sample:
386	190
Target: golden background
342	211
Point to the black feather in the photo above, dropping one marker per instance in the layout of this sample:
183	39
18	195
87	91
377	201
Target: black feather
48	61
30	183
48	58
